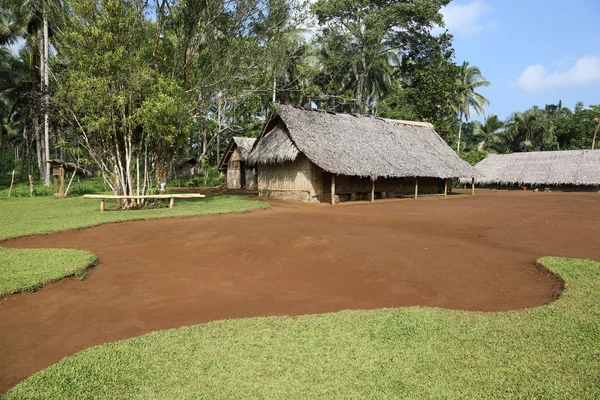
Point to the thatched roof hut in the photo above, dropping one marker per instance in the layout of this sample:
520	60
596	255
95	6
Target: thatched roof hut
349	144
239	174
302	150
551	168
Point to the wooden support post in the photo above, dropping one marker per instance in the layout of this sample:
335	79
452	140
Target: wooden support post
445	187
332	189
171	202
416	188
55	185
473	187
61	191
101	204
372	190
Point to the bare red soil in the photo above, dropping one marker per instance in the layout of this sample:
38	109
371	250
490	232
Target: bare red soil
469	253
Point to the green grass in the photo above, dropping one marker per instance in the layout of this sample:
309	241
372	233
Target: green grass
26	270
549	352
36	215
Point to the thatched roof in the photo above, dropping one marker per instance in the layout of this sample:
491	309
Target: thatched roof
243	143
70	167
568	167
349	144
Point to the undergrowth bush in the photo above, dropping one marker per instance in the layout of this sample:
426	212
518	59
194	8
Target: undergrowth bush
208	176
85	186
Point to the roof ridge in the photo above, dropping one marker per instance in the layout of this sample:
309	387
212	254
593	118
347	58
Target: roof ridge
357	115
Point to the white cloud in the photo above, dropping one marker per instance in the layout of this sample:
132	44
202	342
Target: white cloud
536	77
464	18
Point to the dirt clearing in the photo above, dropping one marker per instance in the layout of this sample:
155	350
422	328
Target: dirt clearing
470	253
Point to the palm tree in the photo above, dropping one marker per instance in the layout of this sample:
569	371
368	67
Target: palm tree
470	79
489	131
531	130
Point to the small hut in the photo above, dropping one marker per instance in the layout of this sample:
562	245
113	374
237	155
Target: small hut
317	156
568	170
59	172
239	174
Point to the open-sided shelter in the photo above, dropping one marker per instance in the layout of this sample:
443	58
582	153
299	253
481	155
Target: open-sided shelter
240	175
59	171
313	155
565	170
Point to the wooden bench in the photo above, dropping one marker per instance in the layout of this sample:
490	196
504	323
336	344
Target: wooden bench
171	197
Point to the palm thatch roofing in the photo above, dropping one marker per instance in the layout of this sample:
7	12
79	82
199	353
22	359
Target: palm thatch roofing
349	144
70	167
567	167
244	144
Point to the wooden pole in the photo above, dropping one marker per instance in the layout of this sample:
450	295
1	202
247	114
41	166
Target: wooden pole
373	190
416	188
332	189
171	202
473	187
101	204
69	185
445	187
12	181
62	182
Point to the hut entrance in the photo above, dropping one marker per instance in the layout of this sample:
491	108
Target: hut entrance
242	175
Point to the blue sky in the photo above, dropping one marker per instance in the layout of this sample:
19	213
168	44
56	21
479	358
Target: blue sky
534	52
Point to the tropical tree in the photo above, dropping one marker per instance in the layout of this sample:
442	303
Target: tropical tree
470	80
488	132
368	32
531	130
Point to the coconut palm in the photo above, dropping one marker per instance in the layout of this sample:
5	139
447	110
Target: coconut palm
470	79
488	132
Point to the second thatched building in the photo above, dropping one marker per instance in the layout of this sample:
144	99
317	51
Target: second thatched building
566	170
319	156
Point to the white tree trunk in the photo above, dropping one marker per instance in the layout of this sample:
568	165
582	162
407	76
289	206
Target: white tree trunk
46	101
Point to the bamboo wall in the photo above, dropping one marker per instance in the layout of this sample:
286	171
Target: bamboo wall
291	180
234	175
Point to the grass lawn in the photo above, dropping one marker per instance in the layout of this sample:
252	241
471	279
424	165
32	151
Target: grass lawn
29	216
550	352
25	270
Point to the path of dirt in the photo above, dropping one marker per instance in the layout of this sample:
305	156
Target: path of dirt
471	253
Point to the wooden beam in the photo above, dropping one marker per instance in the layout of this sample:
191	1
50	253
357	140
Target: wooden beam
332	189
372	190
171	202
416	188
473	187
102	205
445	187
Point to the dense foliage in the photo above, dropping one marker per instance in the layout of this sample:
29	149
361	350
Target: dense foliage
135	90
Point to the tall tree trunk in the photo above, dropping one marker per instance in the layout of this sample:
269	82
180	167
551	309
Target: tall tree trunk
25	153
219	131
595	133
38	146
459	134
46	99
201	146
